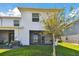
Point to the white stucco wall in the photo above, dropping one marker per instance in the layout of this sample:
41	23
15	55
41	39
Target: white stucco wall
0	22
28	25
27	21
7	22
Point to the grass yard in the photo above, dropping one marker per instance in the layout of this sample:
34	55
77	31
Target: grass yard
63	49
29	51
70	45
4	50
67	49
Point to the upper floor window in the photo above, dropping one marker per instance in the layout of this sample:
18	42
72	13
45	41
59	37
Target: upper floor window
16	22
35	17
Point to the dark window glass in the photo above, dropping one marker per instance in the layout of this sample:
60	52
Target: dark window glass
35	17
16	22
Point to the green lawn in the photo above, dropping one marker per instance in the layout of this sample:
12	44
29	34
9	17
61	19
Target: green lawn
4	50
67	49
29	51
70	45
63	49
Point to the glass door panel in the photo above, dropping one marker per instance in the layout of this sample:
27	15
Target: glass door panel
35	38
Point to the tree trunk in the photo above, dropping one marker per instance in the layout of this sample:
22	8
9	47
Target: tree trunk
54	54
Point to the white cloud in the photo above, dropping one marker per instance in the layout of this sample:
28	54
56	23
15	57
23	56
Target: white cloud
10	12
2	14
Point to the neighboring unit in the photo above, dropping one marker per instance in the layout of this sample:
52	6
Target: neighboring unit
9	27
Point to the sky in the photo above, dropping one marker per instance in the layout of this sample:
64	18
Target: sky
6	8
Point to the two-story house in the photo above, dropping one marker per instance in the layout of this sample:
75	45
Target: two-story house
32	27
28	28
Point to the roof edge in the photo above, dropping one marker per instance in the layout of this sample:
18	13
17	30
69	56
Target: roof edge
40	9
9	17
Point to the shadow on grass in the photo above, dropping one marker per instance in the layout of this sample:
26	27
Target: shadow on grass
64	51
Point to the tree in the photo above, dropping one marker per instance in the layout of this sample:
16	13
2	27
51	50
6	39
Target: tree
55	25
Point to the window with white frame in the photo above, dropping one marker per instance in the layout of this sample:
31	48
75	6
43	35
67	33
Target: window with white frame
35	17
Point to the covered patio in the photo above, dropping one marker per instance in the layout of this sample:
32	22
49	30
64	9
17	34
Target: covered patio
6	37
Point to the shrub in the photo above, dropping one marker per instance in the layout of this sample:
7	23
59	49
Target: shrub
15	43
60	41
